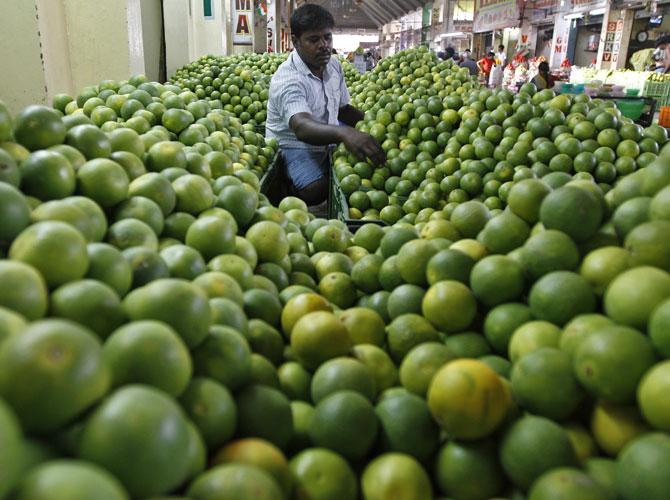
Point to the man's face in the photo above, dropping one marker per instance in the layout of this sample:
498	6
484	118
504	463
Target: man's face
315	47
665	53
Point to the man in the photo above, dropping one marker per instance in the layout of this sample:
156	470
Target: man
501	56
662	54
308	98
467	62
485	65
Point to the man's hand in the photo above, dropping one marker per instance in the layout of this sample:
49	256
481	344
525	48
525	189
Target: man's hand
363	145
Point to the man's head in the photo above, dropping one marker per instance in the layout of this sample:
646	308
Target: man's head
312	34
501	48
543	67
466	54
490	55
663	49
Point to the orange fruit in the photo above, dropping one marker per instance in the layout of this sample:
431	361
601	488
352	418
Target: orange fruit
269	240
104	181
157	188
55	249
14	449
395	474
364	325
565	482
89	303
14	213
406	425
148	352
70	479
469	470
613	426
90	141
211	407
610	362
47	175
118	436
178	303
322	474
468	399
66	373
299	306
39	127
261	454
193	193
211	236
449	306
642	468
265	413
317	337
344	422
532	446
9	169
226	344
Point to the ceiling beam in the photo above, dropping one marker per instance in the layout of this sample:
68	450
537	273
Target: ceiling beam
383	14
374	17
392	7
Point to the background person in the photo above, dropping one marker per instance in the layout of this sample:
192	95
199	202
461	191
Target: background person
485	65
501	56
467	62
543	79
662	54
308	96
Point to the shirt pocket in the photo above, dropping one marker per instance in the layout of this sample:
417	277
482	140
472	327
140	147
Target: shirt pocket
334	98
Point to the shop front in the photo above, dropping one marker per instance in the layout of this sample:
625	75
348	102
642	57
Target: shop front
491	21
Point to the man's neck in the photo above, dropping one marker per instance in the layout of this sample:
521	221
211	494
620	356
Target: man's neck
315	70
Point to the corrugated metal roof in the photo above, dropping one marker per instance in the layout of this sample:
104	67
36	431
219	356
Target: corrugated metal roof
368	14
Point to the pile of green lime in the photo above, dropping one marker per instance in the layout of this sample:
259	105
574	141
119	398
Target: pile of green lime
165	332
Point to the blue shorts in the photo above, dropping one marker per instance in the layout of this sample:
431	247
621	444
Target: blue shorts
305	166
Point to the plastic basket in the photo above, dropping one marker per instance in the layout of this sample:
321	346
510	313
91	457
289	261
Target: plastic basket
338	207
631	108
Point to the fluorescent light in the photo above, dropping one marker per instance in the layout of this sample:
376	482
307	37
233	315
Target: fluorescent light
453	34
574	16
597	12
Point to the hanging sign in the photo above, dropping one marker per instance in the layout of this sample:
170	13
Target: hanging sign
242	22
272	25
495	14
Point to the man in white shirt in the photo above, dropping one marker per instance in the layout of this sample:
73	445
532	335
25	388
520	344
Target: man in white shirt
307	101
501	56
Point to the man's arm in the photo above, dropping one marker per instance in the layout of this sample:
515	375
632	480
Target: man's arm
363	145
350	115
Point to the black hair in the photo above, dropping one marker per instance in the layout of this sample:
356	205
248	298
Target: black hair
543	66
310	17
664	40
449	51
501	47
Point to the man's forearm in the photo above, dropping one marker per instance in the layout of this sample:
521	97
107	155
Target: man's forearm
350	115
314	132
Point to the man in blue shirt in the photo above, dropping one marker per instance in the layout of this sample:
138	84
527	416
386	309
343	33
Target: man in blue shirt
308	100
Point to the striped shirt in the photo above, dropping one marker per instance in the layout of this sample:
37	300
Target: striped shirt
295	89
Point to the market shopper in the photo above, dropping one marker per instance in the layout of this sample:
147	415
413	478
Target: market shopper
663	54
308	99
501	56
485	64
543	79
467	62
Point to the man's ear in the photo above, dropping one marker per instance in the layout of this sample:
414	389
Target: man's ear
294	40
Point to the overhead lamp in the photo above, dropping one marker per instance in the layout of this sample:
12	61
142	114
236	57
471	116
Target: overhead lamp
574	16
597	12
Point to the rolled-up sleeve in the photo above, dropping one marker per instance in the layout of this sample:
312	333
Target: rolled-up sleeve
293	99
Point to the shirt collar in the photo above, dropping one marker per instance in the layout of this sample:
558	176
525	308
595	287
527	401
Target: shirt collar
302	67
